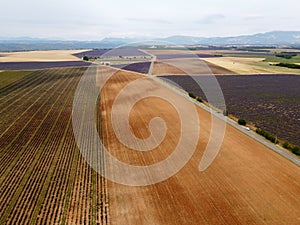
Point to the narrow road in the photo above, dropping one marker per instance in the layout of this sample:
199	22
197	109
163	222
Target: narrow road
153	60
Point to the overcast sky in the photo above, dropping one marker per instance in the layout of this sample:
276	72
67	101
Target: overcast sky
96	19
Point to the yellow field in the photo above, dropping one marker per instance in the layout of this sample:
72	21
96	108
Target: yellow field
40	56
248	65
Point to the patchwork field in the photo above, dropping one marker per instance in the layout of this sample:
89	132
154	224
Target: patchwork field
141	67
271	102
117	52
242	65
161	68
44	179
233	61
242	186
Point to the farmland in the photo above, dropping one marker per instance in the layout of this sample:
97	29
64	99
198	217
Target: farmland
242	186
176	56
141	67
104	53
40	65
8	77
40	56
231	61
45	178
271	102
192	66
91	53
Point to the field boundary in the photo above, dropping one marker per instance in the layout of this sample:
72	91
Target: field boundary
232	123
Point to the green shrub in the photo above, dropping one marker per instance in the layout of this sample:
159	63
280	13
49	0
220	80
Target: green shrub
267	135
288	65
296	150
286	55
286	145
85	58
242	122
192	95
199	99
225	112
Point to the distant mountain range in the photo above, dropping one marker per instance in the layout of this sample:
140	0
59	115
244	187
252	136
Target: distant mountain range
290	38
287	38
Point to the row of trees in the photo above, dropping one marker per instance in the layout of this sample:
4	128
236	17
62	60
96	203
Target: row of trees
286	55
192	95
294	149
288	65
267	135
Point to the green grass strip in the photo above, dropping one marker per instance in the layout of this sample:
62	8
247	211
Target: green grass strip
8	77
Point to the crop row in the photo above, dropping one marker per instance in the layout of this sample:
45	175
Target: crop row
40	65
271	102
179	56
141	67
40	136
44	179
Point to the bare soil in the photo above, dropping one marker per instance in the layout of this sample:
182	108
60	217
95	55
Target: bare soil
246	184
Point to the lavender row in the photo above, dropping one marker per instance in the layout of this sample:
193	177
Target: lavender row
141	67
92	53
40	65
271	102
113	53
178	56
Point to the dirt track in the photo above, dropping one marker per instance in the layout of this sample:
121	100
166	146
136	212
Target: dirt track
246	184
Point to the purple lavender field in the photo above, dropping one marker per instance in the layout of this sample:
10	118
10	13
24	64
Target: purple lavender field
40	65
271	102
179	56
141	67
113	53
124	52
92	53
119	66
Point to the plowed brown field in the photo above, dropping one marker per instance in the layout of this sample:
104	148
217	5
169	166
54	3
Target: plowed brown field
246	184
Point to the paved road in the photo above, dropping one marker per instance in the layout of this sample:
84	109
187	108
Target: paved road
219	115
154	58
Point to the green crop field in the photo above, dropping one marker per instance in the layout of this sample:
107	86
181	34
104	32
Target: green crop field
8	77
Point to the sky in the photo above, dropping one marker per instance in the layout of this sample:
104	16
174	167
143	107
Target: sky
97	19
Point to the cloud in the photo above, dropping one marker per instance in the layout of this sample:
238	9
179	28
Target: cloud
210	19
149	20
253	17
